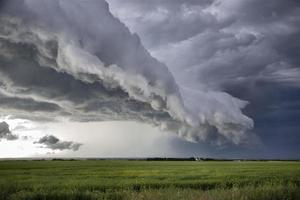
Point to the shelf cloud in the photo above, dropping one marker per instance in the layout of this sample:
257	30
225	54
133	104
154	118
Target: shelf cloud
248	49
56	64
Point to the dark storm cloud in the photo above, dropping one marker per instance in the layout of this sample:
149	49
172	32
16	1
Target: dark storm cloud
53	143
57	64
249	49
260	39
270	55
270	78
5	133
7	102
58	93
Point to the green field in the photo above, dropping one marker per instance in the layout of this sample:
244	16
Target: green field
149	180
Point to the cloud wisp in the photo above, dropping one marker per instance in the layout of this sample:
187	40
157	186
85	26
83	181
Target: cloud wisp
5	133
53	143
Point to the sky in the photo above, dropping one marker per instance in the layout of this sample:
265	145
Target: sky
137	78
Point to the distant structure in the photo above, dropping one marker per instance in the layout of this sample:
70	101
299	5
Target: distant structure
170	159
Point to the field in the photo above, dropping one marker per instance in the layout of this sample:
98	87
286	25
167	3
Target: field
149	180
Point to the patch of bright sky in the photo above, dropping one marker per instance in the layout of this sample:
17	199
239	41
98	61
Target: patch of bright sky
99	139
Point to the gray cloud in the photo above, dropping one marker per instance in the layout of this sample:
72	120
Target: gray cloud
221	57
166	21
5	133
53	143
244	40
249	50
92	68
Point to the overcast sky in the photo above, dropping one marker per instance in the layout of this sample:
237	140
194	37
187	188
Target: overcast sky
134	78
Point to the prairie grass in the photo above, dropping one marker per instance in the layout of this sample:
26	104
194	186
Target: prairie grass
89	180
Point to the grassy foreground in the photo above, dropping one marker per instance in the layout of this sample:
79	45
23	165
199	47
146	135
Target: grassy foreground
32	180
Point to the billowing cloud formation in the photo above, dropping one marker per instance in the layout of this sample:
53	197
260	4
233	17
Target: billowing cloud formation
164	22
58	64
53	143
217	43
249	49
5	133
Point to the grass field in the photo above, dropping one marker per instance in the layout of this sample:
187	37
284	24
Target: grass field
149	180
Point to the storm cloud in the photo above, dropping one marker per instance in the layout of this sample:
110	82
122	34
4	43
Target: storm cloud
248	49
58	65
214	71
53	143
243	41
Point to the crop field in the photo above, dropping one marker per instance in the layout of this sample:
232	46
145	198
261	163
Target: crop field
109	179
